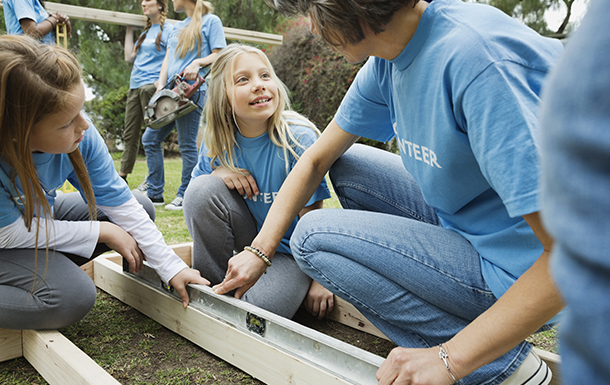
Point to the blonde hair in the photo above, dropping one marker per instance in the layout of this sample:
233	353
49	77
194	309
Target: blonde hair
219	136
162	17
191	34
35	82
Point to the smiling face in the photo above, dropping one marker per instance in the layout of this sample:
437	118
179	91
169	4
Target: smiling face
253	94
62	131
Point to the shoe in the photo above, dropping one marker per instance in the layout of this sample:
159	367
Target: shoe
142	188
175	205
157	201
533	371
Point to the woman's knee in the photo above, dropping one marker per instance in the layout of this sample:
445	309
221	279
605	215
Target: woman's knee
203	192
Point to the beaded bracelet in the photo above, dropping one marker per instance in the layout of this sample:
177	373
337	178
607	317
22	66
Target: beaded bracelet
443	356
259	253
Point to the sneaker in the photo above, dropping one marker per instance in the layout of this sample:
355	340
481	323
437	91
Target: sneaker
142	188
157	201
175	205
533	371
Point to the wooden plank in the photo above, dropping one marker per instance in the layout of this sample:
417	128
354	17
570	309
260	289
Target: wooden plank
254	356
59	361
10	344
88	268
123	18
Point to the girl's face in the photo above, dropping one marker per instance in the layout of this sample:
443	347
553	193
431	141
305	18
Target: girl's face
179	5
62	131
151	8
253	94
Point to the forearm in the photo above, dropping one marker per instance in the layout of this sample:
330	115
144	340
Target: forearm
79	238
130	54
38	30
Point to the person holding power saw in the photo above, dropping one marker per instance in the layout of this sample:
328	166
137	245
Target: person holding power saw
193	44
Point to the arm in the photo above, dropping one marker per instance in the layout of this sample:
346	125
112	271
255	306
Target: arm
530	302
245	268
130	52
38	30
192	70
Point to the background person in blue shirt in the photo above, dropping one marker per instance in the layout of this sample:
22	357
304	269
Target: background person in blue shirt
45	140
193	44
441	247
148	53
30	17
575	120
252	141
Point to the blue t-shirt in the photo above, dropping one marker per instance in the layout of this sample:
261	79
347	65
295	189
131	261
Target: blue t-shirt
462	100
212	37
265	161
148	61
55	169
15	10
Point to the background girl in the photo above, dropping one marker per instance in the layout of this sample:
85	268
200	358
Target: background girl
252	141
44	141
193	44
148	53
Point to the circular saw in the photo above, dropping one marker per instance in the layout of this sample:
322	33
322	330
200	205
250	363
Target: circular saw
170	104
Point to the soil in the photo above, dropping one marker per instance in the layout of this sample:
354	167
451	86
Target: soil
152	354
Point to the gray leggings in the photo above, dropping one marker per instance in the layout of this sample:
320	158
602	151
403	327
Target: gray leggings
40	292
219	222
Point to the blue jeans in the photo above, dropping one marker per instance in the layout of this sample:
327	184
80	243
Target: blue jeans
419	283
187	127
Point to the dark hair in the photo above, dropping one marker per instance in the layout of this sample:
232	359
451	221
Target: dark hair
340	22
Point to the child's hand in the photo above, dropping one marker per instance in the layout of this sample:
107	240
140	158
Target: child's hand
319	300
120	241
243	271
243	182
183	278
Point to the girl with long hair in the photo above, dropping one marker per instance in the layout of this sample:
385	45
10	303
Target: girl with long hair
147	56
193	45
45	140
252	141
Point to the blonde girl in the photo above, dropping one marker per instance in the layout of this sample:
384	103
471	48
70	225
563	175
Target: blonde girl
193	45
147	56
252	141
44	141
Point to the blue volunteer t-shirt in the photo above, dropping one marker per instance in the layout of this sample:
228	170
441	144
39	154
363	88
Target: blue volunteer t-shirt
265	161
15	10
212	37
462	100
55	169
149	59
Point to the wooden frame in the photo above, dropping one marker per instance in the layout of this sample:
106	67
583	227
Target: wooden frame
48	351
123	18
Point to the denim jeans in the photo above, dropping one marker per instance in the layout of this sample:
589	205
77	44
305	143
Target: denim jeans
187	127
419	283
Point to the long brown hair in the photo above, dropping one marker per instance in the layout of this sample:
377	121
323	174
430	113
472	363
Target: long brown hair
162	17
35	82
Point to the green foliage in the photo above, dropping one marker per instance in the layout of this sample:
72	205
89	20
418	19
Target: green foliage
252	15
108	113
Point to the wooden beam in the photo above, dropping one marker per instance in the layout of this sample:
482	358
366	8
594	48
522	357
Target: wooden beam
122	18
59	361
253	355
10	344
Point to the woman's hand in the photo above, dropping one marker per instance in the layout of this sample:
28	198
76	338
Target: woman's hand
414	366
63	19
183	278
243	182
243	271
319	301
123	243
191	71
